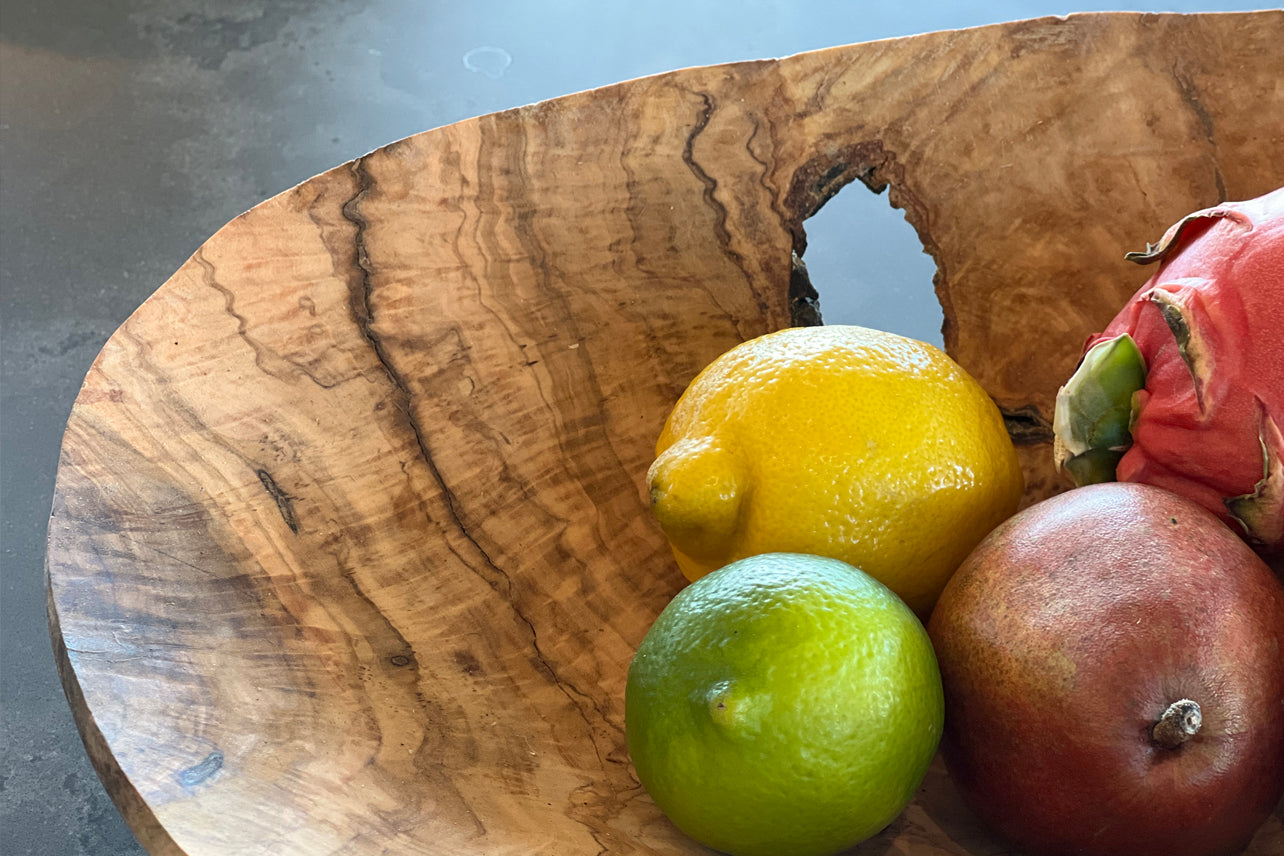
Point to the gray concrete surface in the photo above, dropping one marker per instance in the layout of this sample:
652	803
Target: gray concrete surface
132	129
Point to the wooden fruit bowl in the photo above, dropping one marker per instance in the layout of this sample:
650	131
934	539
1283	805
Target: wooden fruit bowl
350	547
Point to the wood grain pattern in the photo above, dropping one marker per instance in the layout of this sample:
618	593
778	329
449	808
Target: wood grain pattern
350	547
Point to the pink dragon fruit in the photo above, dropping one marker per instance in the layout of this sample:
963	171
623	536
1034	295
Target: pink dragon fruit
1184	389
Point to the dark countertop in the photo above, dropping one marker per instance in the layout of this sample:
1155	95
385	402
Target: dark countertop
133	129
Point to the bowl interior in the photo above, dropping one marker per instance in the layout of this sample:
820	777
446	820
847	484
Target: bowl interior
350	548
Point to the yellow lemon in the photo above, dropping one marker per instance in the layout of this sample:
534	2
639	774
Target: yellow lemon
838	441
784	705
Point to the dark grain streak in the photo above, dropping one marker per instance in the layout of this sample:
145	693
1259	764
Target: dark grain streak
1191	96
772	191
710	193
268	361
709	182
229	304
362	313
284	502
360	292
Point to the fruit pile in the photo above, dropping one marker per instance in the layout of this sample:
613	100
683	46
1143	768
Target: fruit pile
1102	671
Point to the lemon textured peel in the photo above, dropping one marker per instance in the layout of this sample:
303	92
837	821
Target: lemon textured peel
785	705
838	441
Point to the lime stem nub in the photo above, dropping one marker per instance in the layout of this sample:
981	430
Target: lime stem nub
1179	723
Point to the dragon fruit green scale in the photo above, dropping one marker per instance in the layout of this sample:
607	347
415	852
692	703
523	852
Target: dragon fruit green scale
1204	408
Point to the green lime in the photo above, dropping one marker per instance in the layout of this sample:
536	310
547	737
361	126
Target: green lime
783	705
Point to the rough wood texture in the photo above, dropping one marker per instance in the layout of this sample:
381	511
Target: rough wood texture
350	548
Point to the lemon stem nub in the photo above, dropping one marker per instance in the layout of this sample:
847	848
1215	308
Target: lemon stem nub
1180	722
1092	422
697	489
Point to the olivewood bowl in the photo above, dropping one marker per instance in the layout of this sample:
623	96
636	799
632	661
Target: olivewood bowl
350	547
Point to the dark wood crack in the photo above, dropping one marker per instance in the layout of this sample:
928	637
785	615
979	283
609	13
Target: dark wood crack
1027	426
284	502
360	293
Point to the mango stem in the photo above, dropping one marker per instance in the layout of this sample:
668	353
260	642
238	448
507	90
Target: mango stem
1180	722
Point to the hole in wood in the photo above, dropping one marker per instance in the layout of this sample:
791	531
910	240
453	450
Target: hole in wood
869	268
